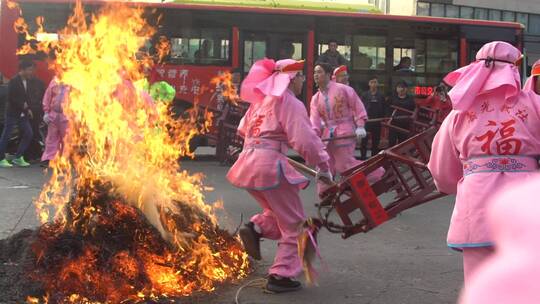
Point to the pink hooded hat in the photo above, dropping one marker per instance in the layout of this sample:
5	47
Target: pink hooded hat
529	84
494	68
267	77
512	274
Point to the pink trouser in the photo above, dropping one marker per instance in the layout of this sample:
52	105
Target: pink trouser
56	131
342	159
472	258
280	220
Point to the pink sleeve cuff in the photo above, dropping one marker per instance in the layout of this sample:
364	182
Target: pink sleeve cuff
360	122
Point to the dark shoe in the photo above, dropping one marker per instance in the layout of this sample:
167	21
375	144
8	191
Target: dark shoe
251	240
275	285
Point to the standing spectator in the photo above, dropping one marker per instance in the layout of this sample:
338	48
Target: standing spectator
18	112
401	99
332	56
3	97
375	105
36	90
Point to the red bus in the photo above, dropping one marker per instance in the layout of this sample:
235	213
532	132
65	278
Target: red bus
208	38
236	36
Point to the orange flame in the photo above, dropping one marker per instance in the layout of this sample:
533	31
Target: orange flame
119	138
228	89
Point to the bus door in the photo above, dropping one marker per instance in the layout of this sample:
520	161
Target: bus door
275	45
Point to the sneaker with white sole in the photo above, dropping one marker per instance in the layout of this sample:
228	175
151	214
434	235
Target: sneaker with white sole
20	162
4	163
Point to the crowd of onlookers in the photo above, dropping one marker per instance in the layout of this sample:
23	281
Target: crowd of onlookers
381	105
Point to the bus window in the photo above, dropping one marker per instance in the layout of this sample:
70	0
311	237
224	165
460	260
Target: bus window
403	59
298	51
344	46
441	56
253	50
289	49
369	52
201	47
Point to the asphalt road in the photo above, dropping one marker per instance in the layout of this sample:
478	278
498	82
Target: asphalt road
404	261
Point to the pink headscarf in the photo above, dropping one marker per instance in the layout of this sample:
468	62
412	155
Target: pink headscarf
529	84
512	274
267	77
493	69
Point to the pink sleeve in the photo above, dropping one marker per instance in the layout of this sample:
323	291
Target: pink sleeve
314	116
47	97
357	106
300	135
444	163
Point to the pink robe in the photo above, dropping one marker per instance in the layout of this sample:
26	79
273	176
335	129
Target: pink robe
53	100
269	128
512	273
479	151
336	114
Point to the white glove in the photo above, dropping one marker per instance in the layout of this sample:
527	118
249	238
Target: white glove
324	176
46	118
360	133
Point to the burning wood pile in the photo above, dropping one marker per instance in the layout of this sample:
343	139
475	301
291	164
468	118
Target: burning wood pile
122	222
115	255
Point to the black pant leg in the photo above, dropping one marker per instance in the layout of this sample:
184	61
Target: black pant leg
375	138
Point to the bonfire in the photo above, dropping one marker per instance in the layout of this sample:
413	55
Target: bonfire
121	220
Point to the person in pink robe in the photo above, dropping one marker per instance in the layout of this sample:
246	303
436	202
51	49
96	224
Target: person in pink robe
275	121
341	75
489	139
532	83
53	100
512	273
337	111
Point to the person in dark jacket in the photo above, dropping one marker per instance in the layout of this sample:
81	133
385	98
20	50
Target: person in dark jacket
375	105
18	113
401	99
3	97
36	91
332	56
